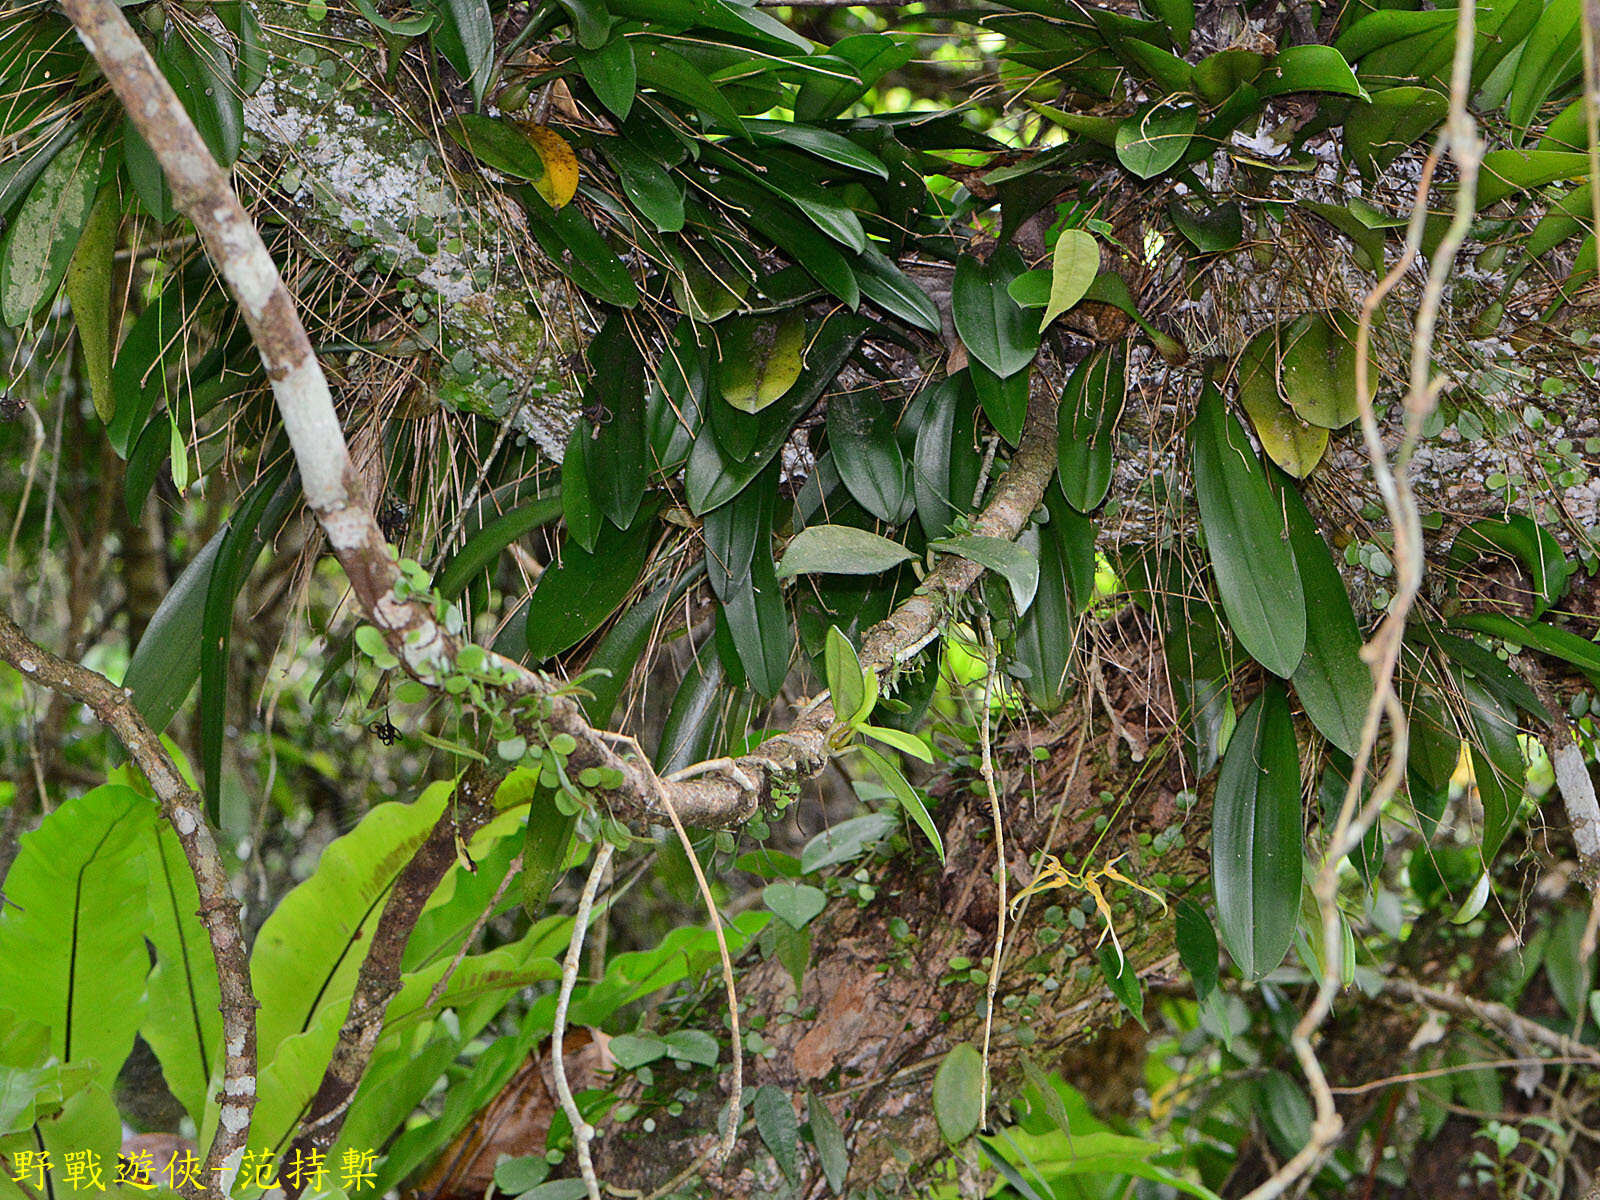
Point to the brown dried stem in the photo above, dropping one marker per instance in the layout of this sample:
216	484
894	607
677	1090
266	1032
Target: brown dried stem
1382	653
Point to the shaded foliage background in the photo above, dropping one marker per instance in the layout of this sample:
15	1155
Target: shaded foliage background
636	311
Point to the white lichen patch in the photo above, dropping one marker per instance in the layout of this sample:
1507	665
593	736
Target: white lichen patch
373	190
347	528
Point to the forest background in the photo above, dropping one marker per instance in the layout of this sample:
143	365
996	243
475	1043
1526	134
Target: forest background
681	597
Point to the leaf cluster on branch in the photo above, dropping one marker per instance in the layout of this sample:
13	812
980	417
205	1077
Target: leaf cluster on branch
859	388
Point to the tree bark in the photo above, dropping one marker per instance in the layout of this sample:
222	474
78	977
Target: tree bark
880	1005
378	184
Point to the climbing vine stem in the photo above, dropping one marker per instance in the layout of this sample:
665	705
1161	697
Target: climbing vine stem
1382	653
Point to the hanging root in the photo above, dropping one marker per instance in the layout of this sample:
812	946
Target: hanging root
730	1130
987	769
582	1131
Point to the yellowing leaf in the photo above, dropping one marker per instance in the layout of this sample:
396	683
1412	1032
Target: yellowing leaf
560	182
1295	445
1072	269
1308	363
761	358
89	289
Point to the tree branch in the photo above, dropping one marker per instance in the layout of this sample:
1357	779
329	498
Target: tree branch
219	911
725	796
379	979
202	192
1515	1026
732	796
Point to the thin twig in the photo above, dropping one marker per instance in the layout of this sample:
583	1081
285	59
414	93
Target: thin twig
730	1132
465	507
36	427
1487	1064
1507	1020
477	927
986	768
582	1131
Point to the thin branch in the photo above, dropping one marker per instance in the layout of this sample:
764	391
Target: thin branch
219	911
202	192
730	1132
582	1131
1515	1026
438	991
378	981
986	767
1583	810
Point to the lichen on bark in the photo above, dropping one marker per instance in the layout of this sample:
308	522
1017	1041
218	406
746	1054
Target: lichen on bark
437	269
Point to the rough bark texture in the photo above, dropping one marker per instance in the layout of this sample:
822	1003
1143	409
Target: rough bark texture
364	173
879	1005
379	980
183	808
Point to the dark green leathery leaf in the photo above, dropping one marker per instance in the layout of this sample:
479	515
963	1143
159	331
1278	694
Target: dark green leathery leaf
711	478
738	538
546	844
613	397
691	721
996	330
862	437
1332	681
1064	546
582	588
1155	138
1197	947
1004	400
1247	540
1256	837
572	242
947	455
1521	537
1091	403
